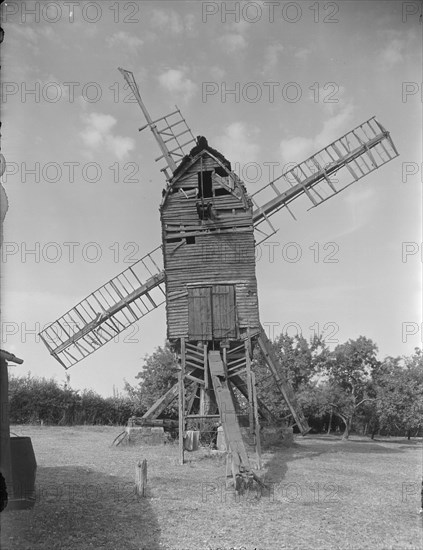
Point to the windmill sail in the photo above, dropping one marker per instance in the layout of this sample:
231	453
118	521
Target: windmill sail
108	311
323	175
130	296
171	131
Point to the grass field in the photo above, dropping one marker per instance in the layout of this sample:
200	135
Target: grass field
325	494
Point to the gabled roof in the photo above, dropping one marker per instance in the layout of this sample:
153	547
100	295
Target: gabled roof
202	145
189	160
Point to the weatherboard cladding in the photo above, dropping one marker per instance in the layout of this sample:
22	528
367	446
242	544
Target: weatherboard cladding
223	251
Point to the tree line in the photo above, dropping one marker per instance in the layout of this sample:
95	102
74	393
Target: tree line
346	389
36	400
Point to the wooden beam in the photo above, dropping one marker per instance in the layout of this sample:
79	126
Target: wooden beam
256	420
161	404
249	389
195	379
203	416
181	408
192	398
282	382
262	408
163	422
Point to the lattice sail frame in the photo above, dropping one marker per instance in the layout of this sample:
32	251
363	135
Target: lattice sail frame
171	131
108	311
323	175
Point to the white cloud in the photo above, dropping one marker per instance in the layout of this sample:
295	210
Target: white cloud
329	96
396	48
175	81
35	33
217	72
122	38
189	21
360	209
240	27
120	145
271	56
26	31
167	21
335	126
392	53
234	39
298	148
98	133
302	53
237	143
233	42
49	33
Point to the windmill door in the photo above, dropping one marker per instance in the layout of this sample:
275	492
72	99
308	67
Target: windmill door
211	312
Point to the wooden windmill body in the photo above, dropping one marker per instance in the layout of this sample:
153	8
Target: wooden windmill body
210	227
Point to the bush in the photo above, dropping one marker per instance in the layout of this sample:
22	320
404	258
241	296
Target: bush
38	400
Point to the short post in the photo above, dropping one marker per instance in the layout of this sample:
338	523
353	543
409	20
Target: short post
141	478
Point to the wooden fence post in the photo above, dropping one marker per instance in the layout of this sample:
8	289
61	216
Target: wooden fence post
141	478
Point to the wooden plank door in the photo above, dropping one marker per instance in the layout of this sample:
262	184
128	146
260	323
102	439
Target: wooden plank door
200	325
224	317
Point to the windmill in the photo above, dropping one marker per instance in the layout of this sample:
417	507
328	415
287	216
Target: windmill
205	272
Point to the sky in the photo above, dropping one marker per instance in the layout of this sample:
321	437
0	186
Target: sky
268	84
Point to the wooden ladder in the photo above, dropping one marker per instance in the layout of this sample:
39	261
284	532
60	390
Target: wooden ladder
242	473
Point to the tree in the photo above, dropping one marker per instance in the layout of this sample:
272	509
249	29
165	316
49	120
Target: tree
350	368
400	394
299	360
159	373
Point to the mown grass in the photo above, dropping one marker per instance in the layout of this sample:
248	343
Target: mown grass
324	494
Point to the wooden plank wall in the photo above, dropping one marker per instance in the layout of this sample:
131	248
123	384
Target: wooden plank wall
223	252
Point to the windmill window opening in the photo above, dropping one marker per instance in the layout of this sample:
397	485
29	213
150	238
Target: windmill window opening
190	240
205	186
221	191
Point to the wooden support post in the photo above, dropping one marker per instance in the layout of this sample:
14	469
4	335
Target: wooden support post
191	400
249	387
206	367
257	421
141	478
182	403
228	468
205	390
224	347
202	401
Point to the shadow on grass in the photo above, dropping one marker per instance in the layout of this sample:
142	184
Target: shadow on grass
361	445
311	447
277	467
80	508
364	439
